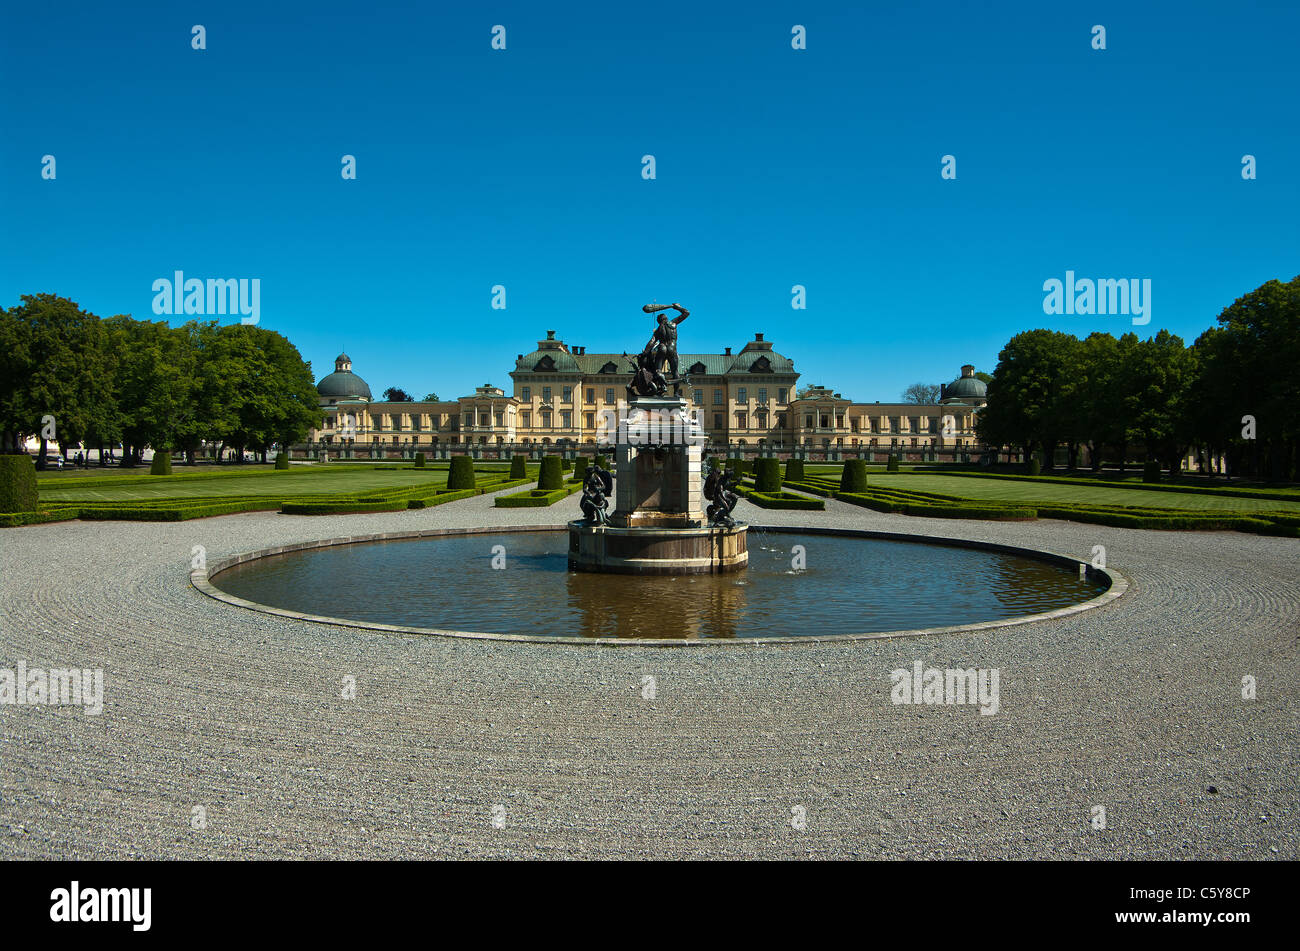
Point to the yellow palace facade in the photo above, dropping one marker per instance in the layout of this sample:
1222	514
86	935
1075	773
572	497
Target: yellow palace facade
561	395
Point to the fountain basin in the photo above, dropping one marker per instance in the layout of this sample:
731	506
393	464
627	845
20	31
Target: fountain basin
657	550
443	582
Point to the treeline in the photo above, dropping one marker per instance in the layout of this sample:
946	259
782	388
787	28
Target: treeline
142	383
1157	400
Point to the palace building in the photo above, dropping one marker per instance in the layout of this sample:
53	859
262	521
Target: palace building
749	400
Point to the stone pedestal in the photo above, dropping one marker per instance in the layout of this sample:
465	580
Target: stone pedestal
658	523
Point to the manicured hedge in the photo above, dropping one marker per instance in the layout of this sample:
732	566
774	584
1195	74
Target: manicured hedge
892	465
1150	472
461	473
162	464
767	475
441	497
17	483
419	460
784	500
794	471
282	460
15	519
1035	467
551	476
854	476
518	467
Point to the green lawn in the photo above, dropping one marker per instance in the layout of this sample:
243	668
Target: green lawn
298	481
1007	490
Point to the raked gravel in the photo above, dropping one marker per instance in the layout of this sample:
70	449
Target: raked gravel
1136	707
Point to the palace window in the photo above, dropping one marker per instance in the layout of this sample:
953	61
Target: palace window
781	394
546	420
697	397
762	394
914	423
717	421
740	420
566	394
839	422
546	394
376	421
566	420
526	394
591	420
417	421
591	394
807	422
741	395
501	419
525	419
826	421
609	394
717	397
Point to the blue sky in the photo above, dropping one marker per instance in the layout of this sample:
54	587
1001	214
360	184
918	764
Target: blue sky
775	167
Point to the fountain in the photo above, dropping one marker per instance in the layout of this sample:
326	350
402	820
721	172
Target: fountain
659	525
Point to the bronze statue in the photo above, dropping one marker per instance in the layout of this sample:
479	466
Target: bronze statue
648	378
717	489
597	486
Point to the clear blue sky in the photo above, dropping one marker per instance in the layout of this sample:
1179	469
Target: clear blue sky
775	167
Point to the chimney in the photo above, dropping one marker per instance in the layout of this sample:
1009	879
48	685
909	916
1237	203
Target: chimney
727	353
759	338
967	371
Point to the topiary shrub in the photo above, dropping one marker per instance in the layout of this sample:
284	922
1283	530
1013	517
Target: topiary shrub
767	475
601	461
1151	471
794	470
282	460
737	467
461	474
162	464
419	460
892	465
517	467
1035	467
854	476
17	483
552	474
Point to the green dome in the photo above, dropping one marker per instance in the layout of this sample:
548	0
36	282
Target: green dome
966	387
343	384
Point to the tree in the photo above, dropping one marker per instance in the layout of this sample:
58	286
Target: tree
927	393
396	394
153	384
431	398
56	369
1029	395
1250	366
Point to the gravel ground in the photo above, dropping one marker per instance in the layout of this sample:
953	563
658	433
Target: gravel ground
1135	707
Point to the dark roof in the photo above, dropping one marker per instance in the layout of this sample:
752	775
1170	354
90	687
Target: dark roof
343	384
715	364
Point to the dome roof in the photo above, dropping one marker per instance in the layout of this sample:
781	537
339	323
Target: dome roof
966	387
343	383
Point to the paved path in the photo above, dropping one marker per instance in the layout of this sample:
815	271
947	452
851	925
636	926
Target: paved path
1136	707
